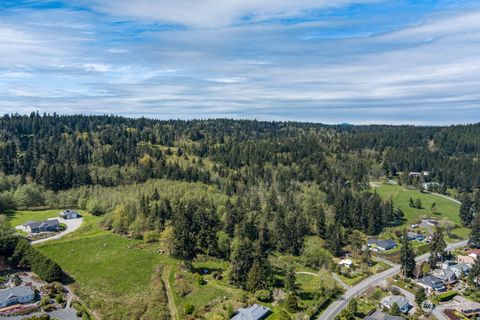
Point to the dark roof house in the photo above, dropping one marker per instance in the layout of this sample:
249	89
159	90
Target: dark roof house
382	244
47	225
401	301
431	283
254	312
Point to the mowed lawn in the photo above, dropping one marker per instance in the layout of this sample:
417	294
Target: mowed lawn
447	209
22	216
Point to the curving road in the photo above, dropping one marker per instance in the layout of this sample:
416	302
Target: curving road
337	306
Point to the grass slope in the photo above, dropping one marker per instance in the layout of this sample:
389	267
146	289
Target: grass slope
446	209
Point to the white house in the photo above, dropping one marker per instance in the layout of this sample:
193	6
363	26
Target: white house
401	301
15	295
346	262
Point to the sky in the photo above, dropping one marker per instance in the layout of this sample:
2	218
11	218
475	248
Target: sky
328	61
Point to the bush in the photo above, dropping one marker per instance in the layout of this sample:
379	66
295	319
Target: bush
189	308
446	296
151	236
199	280
263	295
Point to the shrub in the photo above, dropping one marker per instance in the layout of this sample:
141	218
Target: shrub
263	295
199	280
189	308
446	296
151	236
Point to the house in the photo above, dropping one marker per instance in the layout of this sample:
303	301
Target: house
460	269
447	264
401	301
381	245
474	253
446	275
467	307
378	315
15	295
69	214
346	262
429	185
431	284
466	259
415	236
254	312
36	227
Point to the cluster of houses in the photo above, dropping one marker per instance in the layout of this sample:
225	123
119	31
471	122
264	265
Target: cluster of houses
50	225
440	279
16	295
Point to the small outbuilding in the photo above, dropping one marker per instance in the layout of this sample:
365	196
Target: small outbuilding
69	214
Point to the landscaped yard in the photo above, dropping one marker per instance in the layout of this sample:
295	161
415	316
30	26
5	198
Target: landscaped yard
446	209
359	275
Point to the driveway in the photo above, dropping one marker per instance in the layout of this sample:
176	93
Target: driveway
63	314
72	225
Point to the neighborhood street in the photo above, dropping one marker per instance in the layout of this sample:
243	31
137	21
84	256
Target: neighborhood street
337	306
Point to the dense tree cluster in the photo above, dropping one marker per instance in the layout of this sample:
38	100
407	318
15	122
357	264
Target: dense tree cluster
20	254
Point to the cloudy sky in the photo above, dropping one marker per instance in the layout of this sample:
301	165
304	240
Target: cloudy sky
330	61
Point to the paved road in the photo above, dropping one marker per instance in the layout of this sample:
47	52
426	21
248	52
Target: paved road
337	306
72	225
446	197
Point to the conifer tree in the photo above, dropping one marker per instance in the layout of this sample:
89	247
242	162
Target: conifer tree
407	256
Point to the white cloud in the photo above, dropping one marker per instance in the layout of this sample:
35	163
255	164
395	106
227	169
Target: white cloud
96	67
213	13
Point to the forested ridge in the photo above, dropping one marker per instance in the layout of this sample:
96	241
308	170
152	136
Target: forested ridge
235	189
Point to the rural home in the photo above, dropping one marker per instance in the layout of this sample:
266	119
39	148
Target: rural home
467	307
15	295
381	245
474	253
36	227
254	312
431	284
415	236
402	303
69	214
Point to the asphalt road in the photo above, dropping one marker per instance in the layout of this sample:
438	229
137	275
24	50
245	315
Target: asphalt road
337	306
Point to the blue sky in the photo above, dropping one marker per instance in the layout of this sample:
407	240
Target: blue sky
330	61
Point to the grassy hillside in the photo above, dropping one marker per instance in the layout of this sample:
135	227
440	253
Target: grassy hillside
446	209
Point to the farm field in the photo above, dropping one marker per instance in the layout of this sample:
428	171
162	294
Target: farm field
123	278
447	210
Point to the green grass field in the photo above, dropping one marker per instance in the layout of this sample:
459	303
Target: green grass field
447	209
20	217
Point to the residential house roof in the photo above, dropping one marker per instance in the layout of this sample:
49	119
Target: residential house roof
446	275
386	244
431	282
254	312
402	303
466	306
21	291
378	315
41	224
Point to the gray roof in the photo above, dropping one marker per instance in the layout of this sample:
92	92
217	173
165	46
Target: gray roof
378	315
21	291
444	274
399	300
383	243
255	312
431	281
41	224
461	267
